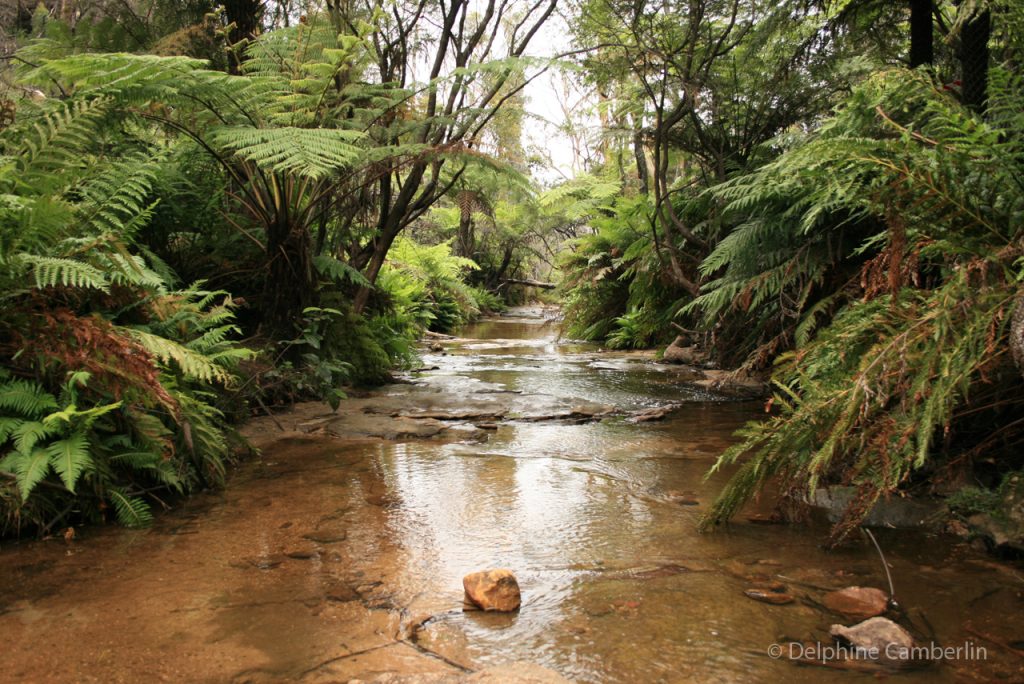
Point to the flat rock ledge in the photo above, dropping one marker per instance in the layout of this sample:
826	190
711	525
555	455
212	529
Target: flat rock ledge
428	411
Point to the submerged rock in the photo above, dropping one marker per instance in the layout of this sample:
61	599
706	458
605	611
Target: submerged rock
768	596
517	673
878	637
509	673
858	603
652	414
892	512
495	589
326	536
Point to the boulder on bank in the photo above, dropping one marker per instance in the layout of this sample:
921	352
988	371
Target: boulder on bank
495	589
898	512
680	352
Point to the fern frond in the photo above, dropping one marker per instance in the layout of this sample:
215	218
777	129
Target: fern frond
70	458
131	511
309	152
192	364
28	398
53	271
30	469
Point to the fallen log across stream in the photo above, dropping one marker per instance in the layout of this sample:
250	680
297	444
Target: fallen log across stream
529	283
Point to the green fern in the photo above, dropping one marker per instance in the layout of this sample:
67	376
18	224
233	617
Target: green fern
54	271
131	511
191	363
26	398
70	458
314	153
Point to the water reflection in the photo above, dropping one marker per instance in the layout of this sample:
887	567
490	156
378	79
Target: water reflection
597	520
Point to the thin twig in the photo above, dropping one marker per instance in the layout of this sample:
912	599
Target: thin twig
885	565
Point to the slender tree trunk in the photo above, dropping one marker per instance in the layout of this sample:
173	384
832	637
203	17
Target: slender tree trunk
921	34
641	159
974	61
1017	333
464	241
506	259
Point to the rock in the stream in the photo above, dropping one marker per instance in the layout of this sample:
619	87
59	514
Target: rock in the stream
495	589
678	353
858	603
768	596
893	512
878	637
652	414
517	673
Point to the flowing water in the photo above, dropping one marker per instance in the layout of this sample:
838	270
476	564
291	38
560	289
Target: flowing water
327	559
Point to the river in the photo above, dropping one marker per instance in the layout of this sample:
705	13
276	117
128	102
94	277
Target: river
337	554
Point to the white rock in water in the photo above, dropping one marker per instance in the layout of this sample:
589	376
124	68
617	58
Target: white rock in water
880	637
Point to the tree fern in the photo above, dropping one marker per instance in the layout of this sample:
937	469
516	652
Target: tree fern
866	397
308	152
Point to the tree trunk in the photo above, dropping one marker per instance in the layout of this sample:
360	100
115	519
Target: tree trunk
291	283
464	242
641	161
506	259
974	61
1017	333
921	40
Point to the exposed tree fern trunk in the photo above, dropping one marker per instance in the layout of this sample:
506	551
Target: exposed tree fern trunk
1017	333
464	243
291	283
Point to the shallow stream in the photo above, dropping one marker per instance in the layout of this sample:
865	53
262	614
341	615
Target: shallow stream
332	557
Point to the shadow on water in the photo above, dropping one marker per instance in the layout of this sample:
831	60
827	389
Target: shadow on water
329	559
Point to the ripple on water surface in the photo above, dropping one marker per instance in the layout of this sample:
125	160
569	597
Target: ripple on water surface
320	556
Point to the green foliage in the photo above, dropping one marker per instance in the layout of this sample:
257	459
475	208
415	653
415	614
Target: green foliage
105	387
971	500
428	283
617	288
866	399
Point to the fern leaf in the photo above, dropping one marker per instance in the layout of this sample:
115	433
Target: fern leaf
311	152
131	511
30	432
70	458
27	398
53	271
340	271
191	363
30	470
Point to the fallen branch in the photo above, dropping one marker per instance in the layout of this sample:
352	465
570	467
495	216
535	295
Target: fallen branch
530	283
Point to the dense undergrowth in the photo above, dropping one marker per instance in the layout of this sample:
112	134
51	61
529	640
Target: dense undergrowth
197	224
217	213
861	244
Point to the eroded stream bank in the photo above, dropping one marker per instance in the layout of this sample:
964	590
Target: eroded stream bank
339	552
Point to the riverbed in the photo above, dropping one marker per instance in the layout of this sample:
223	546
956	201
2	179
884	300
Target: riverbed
338	552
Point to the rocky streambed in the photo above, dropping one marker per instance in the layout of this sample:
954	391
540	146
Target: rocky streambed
338	553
